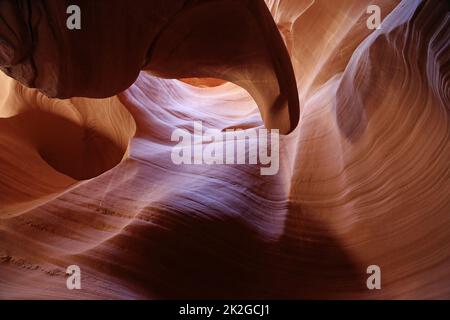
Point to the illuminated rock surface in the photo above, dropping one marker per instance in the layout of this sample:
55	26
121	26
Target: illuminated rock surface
364	177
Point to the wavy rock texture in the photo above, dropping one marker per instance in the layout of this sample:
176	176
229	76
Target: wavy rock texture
364	177
233	40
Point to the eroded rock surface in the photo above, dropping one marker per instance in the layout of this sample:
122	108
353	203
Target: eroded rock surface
364	178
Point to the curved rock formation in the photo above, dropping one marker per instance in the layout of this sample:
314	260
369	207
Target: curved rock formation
364	178
232	40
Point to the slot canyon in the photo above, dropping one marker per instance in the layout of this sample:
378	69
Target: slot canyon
86	176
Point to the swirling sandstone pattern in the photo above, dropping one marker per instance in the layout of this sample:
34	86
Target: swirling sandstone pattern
364	177
172	39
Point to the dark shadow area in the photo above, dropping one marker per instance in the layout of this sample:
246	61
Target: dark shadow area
184	256
76	151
